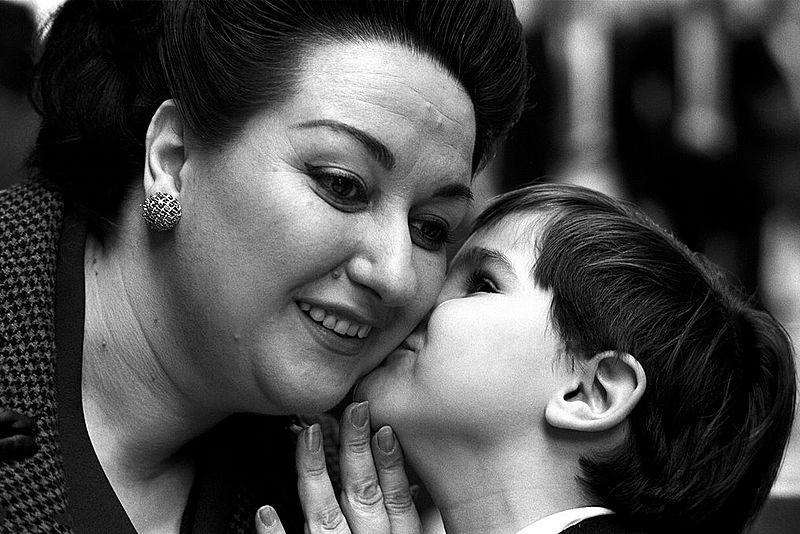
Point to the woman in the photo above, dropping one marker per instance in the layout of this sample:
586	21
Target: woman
268	187
583	372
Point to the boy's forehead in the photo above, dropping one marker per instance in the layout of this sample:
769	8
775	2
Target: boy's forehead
518	230
514	236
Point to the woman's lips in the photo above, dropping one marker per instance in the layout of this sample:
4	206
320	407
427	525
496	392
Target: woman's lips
329	339
330	320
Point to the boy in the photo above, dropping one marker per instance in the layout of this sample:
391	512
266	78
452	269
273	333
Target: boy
583	372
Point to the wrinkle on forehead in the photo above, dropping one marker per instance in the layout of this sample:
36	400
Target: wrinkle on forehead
372	70
435	116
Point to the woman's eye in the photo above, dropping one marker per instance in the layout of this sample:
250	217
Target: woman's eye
480	282
431	234
342	188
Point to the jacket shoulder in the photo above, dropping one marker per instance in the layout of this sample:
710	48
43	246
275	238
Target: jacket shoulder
32	491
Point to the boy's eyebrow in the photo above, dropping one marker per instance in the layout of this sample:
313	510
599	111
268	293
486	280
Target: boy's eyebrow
484	256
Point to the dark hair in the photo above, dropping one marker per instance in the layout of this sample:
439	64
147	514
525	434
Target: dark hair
706	440
109	64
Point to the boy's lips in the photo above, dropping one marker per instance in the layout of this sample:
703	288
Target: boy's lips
413	341
407	351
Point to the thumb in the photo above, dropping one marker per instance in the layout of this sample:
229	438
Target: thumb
267	521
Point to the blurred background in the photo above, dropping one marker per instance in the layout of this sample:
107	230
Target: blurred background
690	108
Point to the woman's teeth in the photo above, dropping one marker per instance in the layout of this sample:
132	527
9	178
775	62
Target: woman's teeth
343	327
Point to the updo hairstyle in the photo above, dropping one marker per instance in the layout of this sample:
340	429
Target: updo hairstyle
109	64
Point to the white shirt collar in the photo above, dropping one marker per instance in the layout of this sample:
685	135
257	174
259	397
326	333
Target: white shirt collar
555	523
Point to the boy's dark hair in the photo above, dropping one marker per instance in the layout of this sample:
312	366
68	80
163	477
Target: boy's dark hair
108	65
705	442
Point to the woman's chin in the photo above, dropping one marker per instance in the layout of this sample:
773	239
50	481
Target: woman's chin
308	400
372	386
374	389
387	387
364	388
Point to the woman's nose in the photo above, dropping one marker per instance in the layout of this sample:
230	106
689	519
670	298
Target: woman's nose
385	264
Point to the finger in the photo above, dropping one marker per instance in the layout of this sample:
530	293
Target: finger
362	499
397	498
267	521
320	508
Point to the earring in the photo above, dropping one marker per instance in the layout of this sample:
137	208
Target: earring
336	273
161	211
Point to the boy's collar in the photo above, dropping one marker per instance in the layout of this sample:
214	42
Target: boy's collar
555	523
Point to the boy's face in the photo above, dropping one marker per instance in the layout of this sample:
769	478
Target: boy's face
486	362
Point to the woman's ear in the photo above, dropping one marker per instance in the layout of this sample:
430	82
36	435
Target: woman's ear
599	394
164	151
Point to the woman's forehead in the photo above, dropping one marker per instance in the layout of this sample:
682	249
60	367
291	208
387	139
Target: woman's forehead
403	99
369	68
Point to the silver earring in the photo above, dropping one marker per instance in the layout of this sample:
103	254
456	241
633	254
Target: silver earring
161	211
336	273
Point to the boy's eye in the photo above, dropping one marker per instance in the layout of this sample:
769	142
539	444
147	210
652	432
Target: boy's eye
481	282
431	234
342	189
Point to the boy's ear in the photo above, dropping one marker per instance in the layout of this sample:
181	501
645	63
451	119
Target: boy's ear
599	394
164	151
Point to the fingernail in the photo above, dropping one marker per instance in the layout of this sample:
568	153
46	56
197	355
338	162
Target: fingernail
313	438
358	416
386	439
267	515
298	425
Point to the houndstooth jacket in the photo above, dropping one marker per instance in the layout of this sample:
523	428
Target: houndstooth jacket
32	489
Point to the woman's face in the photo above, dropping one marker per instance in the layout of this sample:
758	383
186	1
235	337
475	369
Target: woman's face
313	244
486	362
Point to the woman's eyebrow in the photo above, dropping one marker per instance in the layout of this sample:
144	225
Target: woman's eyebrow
376	148
485	257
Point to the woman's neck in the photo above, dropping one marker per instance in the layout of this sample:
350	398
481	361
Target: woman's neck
496	489
139	417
